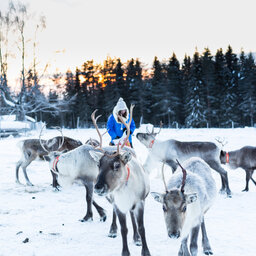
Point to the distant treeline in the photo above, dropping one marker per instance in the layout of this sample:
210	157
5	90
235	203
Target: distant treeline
203	91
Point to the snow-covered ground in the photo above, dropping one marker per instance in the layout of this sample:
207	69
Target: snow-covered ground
49	219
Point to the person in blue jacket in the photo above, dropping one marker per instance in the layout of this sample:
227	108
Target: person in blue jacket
114	126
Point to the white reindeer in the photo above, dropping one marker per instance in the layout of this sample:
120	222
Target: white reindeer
78	164
123	179
189	195
169	150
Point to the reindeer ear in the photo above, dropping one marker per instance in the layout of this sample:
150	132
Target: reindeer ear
126	157
158	197
47	158
96	155
56	153
223	153
190	198
64	151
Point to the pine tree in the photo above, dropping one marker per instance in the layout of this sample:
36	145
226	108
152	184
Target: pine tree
174	92
137	92
247	86
111	90
219	93
208	78
232	100
195	100
158	107
186	72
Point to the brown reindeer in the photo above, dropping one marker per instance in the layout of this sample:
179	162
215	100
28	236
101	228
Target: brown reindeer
33	148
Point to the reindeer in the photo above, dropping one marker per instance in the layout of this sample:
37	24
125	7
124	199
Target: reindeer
244	158
74	165
189	195
33	148
123	180
169	150
78	164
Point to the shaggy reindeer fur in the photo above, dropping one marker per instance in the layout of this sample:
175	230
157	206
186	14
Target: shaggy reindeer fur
184	211
127	189
170	150
31	149
76	165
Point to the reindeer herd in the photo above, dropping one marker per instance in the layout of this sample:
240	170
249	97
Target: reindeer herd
115	172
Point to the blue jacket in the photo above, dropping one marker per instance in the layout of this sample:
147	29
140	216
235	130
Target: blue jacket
115	129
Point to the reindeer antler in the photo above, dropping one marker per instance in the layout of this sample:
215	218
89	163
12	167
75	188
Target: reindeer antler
127	125
41	140
183	178
94	120
166	190
62	137
149	131
223	141
152	132
161	125
60	144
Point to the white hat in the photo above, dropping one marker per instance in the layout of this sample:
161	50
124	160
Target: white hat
120	105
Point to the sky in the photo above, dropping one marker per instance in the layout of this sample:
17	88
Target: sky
80	30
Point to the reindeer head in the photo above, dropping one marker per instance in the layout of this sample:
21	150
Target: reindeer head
112	166
54	144
149	137
223	157
52	156
93	142
174	203
112	171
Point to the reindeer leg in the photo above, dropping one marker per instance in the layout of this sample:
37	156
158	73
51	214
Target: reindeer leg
224	176
24	166
55	183
89	195
193	240
247	178
205	241
184	248
101	211
140	220
252	178
17	171
113	228
136	236
124	232
172	164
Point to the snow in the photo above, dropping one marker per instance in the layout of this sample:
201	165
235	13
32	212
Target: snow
49	219
7	122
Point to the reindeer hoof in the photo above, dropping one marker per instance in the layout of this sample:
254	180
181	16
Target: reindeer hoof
229	195
86	219
222	191
29	184
103	218
138	243
245	190
208	252
112	234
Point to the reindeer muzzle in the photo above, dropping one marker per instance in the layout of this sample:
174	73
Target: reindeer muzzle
101	190
174	235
